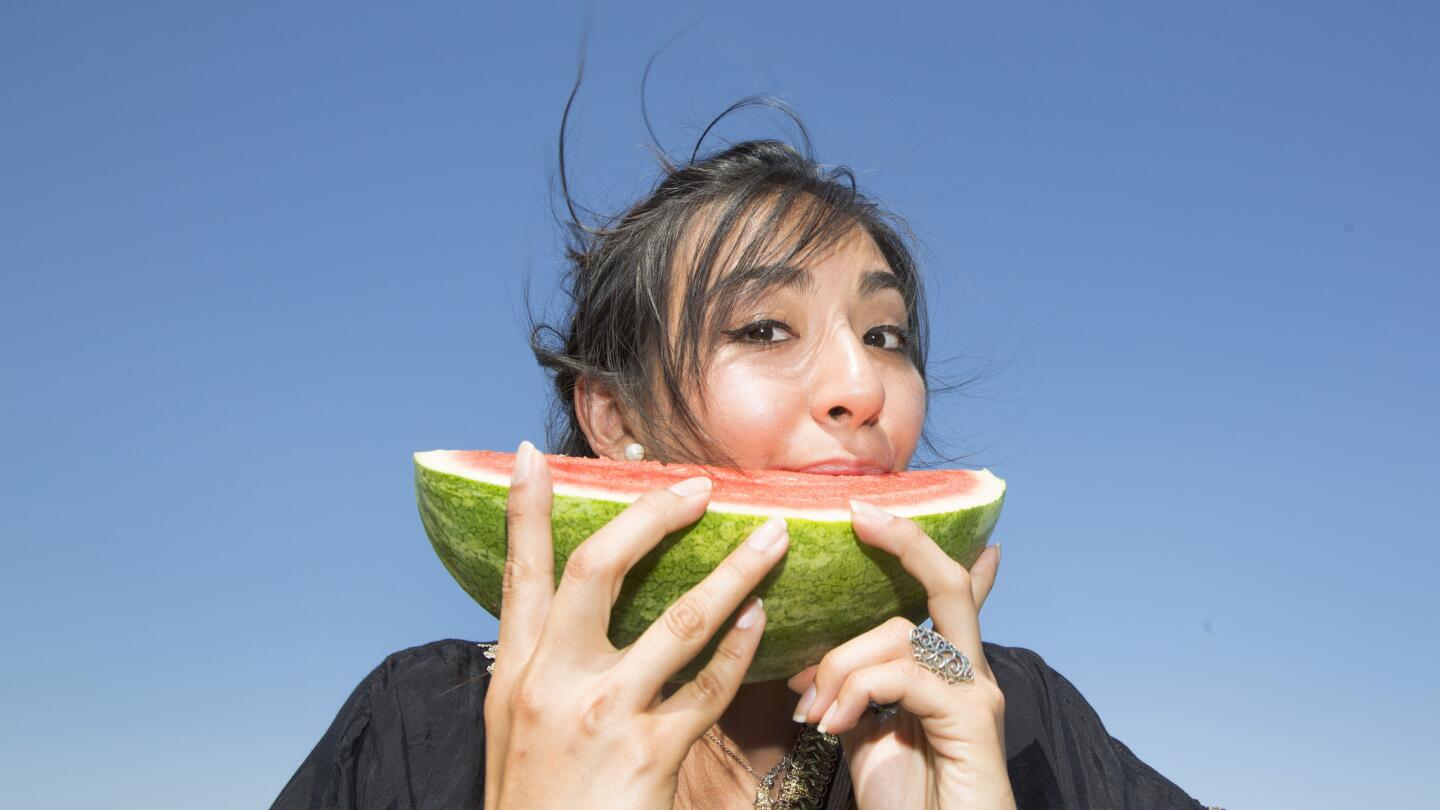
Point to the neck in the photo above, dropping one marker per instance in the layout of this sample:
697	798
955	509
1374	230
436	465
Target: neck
758	722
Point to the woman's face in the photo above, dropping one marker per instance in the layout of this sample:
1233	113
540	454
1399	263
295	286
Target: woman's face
814	376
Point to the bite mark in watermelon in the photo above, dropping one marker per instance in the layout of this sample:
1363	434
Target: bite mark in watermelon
829	588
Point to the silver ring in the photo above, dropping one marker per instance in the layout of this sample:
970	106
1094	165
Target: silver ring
939	656
884	711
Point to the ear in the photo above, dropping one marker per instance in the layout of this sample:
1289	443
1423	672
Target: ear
598	412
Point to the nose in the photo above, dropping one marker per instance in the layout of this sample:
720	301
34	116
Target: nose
846	388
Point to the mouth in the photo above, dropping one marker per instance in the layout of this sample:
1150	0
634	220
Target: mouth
862	466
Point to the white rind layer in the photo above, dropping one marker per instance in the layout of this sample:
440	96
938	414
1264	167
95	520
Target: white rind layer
988	491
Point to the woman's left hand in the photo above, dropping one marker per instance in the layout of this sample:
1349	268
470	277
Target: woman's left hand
945	748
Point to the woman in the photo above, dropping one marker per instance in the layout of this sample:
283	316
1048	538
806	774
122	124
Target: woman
753	311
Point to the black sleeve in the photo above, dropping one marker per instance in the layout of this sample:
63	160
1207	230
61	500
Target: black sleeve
411	736
1060	754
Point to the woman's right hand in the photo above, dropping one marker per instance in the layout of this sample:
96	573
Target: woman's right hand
569	720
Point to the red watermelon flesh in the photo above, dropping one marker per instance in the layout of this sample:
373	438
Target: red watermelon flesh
757	492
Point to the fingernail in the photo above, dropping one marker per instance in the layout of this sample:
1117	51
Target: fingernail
997	553
524	463
874	514
691	486
751	614
830	712
767	535
803	707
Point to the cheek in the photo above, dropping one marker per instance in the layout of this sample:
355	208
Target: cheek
750	413
904	414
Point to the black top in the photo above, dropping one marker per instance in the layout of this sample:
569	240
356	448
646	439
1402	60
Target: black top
412	735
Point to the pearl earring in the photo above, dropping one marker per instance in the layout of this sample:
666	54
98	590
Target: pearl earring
634	451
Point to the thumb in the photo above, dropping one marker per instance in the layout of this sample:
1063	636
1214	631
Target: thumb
982	574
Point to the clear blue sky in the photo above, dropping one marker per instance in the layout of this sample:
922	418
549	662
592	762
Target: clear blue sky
252	256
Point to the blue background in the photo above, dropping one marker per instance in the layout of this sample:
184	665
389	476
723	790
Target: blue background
254	256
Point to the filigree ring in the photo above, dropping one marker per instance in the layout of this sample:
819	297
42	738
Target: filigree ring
939	656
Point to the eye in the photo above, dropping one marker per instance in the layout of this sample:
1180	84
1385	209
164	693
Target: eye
893	338
766	331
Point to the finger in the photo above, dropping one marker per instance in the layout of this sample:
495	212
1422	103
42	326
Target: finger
982	574
946	581
528	584
687	625
698	704
887	642
800	680
527	587
917	690
580	613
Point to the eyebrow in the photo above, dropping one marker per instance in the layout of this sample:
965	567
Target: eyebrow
754	281
875	281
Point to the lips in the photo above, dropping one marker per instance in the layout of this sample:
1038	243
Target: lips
863	466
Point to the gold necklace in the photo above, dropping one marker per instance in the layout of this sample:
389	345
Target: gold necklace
807	770
767	782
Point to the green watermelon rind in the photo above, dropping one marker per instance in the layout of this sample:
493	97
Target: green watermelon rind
465	522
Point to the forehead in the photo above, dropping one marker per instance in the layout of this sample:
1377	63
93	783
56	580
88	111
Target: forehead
810	243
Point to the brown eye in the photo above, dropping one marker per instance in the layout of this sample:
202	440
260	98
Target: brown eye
764	332
892	338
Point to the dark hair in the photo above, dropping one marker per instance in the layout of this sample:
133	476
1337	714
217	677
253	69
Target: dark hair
621	271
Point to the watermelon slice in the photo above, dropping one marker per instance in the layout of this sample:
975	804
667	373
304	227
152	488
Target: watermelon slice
829	588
